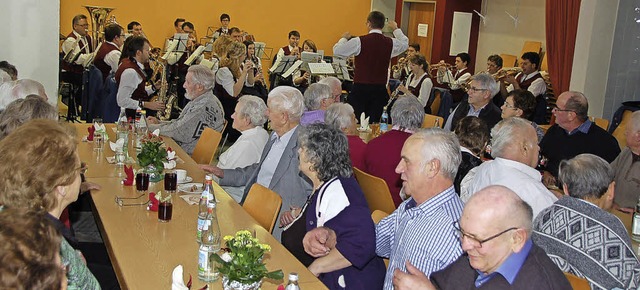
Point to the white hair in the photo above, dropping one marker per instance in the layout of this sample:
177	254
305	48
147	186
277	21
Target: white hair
507	132
203	76
333	82
339	115
314	95
253	108
441	145
288	99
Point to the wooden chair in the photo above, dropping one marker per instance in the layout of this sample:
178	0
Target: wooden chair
435	105
207	145
430	121
508	60
263	205
602	123
577	283
544	66
378	215
619	132
375	190
533	46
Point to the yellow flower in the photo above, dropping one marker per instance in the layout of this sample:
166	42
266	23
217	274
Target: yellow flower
243	233
228	238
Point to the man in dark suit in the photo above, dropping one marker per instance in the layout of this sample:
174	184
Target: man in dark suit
278	168
481	90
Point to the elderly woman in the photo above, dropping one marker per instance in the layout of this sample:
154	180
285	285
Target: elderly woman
521	103
418	83
338	203
473	136
248	119
342	117
41	171
22	110
383	153
30	252
317	98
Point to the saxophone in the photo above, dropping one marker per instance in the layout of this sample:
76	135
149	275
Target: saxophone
164	115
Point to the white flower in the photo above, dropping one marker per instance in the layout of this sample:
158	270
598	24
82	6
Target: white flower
226	257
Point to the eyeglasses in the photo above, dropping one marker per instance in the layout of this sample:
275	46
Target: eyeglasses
510	106
476	89
556	109
475	241
122	201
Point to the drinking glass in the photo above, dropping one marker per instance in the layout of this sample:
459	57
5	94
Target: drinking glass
142	181
165	210
170	181
98	141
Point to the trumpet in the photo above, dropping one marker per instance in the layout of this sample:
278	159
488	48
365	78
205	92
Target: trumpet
439	65
507	71
402	63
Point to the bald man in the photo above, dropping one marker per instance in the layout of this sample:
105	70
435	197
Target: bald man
495	233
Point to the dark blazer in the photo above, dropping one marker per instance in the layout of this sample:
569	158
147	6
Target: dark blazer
291	184
490	114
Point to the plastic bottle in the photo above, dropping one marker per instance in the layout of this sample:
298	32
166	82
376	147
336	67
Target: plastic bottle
384	121
293	282
123	132
141	128
635	227
209	245
205	197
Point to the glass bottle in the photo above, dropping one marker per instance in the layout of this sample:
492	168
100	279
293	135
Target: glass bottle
384	121
205	197
635	227
293	282
123	132
209	245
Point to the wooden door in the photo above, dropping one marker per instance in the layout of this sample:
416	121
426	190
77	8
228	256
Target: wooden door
422	13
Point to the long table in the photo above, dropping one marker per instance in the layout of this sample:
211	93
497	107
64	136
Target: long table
144	251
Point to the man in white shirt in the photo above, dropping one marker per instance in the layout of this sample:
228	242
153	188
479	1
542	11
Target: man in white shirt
456	81
108	56
133	92
78	49
531	80
373	53
291	49
514	145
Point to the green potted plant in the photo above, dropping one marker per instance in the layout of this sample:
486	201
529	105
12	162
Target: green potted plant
151	156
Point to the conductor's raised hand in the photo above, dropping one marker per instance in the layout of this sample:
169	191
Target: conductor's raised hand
393	25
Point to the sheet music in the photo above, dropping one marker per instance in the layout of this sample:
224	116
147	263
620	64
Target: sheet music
172	44
321	69
195	55
292	68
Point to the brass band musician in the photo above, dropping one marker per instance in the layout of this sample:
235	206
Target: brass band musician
402	70
455	81
77	49
418	83
531	80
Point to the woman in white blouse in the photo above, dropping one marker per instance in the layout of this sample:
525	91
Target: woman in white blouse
418	83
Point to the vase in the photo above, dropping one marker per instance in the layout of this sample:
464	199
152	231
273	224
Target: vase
155	174
235	285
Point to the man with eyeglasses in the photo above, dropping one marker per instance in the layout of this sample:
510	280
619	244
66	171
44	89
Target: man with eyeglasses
421	231
574	134
495	234
483	87
108	56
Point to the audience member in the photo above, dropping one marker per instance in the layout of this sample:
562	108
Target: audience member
481	90
248	118
30	252
495	233
317	98
336	87
627	168
341	116
41	171
521	103
203	110
514	147
9	69
339	204
421	231
473	136
22	110
574	134
20	89
383	153
278	167
578	226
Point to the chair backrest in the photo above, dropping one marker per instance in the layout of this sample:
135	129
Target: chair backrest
619	132
577	283
378	215
602	123
430	121
207	146
533	46
263	205
508	60
544	66
376	191
435	104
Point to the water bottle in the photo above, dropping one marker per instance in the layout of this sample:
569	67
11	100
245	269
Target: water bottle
205	197
123	133
384	121
293	282
209	245
141	128
635	227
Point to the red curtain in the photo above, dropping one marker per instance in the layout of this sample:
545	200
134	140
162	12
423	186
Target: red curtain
561	28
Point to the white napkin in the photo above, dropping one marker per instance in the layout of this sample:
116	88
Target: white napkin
117	145
171	155
171	164
156	132
102	130
364	122
177	280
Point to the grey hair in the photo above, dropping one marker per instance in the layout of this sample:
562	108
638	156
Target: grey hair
314	94
4	76
634	122
486	81
339	115
25	87
443	146
578	103
407	113
203	76
327	149
20	111
332	82
505	133
288	99
586	176
253	108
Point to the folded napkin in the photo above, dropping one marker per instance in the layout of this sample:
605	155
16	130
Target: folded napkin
102	130
117	145
128	170
177	283
91	130
364	122
153	202
156	132
171	159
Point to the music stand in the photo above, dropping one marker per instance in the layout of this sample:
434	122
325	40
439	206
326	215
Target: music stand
259	48
285	63
341	68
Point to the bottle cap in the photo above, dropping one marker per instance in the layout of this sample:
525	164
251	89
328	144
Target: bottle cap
293	276
208	177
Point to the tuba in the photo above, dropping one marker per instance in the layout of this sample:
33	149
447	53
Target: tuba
98	17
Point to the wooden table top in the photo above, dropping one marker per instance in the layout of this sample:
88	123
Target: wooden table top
144	251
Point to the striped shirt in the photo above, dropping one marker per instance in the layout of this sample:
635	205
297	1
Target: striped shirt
421	234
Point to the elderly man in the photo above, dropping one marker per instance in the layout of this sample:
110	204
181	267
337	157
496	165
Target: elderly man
578	230
317	98
574	134
336	87
494	231
483	87
278	168
20	89
515	149
341	116
383	153
627	168
421	231
203	110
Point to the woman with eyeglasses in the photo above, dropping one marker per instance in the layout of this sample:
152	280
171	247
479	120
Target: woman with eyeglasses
521	103
40	171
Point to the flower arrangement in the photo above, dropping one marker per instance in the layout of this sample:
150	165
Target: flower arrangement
243	260
151	151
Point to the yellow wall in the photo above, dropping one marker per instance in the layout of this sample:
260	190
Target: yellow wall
322	21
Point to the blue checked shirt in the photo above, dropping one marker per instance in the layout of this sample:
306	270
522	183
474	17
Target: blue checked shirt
421	234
